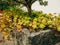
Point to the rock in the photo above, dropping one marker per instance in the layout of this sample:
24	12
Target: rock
22	37
1	36
44	37
57	43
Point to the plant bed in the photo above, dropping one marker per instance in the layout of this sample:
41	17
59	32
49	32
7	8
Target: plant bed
36	30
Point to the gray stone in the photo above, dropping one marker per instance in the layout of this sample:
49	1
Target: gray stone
22	37
43	37
57	43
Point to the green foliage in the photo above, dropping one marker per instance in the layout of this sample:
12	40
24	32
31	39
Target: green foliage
3	5
6	4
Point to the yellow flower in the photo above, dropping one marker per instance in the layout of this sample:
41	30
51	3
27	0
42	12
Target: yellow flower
30	24
34	26
42	26
58	28
44	21
5	33
49	22
3	25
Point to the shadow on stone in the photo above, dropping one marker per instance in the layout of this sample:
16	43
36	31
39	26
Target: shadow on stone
43	38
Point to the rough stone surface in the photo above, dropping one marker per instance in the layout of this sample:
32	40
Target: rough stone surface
22	37
44	37
57	43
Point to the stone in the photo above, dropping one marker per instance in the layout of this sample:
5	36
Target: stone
57	43
44	37
22	37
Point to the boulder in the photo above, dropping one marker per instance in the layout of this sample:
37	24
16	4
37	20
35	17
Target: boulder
22	37
43	37
57	43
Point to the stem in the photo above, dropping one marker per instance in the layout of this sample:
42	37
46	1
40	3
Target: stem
29	10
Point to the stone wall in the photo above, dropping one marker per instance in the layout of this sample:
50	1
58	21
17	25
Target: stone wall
44	37
25	37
